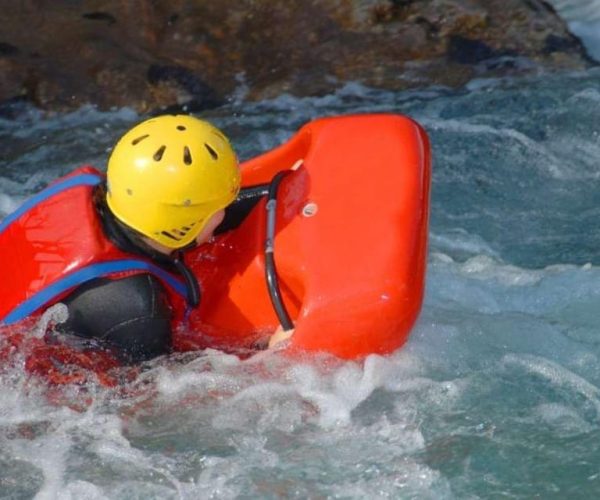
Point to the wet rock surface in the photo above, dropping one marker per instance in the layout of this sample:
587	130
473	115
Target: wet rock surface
165	53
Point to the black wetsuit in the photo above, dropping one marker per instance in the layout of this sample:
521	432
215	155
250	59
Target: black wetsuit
132	314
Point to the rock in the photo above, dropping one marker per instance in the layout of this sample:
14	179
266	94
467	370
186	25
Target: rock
170	53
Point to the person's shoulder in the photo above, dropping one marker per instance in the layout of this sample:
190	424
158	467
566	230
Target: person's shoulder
147	291
131	313
136	295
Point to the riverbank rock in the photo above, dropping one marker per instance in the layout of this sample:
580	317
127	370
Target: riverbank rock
163	53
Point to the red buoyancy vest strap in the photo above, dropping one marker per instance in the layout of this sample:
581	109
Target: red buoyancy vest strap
54	242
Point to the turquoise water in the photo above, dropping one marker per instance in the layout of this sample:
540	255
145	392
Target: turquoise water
583	18
496	394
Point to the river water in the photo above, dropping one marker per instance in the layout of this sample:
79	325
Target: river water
583	18
496	394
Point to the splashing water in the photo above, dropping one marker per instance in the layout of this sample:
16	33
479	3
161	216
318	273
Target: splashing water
495	394
583	18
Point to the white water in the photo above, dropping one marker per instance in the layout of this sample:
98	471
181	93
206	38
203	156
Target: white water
583	18
497	392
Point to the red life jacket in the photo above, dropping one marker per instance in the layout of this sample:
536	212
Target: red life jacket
54	242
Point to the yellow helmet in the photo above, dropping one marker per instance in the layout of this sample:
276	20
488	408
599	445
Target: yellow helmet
168	175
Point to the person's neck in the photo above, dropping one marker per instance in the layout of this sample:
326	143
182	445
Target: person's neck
158	247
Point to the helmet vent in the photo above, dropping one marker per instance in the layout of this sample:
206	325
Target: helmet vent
159	153
169	235
139	139
180	127
176	234
187	156
211	151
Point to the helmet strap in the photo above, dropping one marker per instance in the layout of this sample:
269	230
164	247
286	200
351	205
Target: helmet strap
191	283
130	241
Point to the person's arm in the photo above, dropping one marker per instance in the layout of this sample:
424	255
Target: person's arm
131	314
235	213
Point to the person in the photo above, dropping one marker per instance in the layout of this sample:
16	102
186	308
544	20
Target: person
111	248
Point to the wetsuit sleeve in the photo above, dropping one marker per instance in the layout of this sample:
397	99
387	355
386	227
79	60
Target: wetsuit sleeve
131	314
235	213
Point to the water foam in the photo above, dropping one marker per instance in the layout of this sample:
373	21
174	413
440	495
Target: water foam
583	17
501	368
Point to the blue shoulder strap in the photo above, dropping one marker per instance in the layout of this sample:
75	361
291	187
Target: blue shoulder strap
84	274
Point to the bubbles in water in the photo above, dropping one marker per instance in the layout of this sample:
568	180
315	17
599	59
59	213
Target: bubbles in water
54	315
498	380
